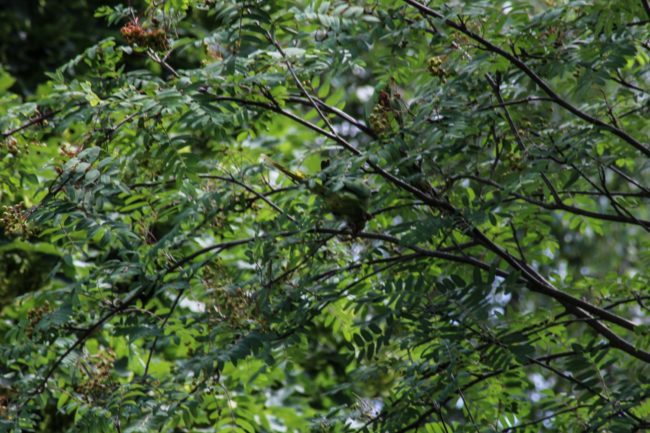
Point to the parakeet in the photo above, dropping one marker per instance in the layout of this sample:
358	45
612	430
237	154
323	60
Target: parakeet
347	199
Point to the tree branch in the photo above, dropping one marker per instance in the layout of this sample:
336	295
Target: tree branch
461	27
535	281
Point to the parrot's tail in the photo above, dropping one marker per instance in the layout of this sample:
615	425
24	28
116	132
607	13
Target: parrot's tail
296	176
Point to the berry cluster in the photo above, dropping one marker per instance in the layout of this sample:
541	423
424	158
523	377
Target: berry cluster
99	381
4	406
380	118
12	145
14	220
234	306
134	34
34	316
434	65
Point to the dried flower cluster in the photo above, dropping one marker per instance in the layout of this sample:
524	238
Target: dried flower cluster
134	34
99	380
14	220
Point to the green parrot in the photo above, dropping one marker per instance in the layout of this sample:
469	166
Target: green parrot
347	199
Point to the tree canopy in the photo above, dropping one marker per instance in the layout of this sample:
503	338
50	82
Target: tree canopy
326	216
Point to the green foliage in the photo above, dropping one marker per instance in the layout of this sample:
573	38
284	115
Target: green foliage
466	251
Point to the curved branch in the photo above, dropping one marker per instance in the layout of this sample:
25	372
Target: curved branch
340	113
533	76
37	120
545	418
250	189
560	205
